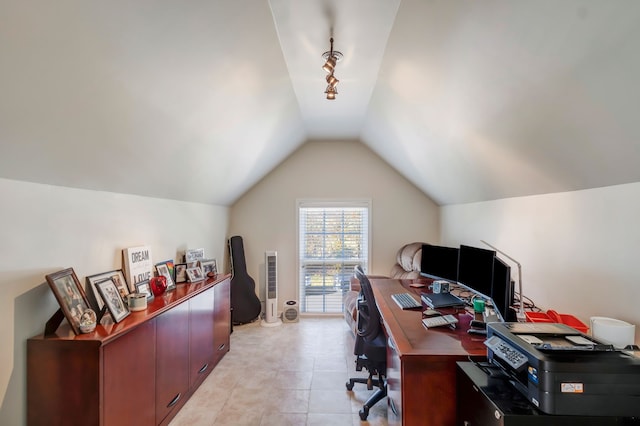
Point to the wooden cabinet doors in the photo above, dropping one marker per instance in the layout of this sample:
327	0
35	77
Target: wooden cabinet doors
222	319
172	359
129	378
201	328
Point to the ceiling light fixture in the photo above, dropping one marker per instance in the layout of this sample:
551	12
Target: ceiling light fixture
332	57
331	92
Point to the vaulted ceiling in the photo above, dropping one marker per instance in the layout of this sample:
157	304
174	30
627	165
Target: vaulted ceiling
198	100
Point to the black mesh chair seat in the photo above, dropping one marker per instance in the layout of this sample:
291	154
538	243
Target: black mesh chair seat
370	347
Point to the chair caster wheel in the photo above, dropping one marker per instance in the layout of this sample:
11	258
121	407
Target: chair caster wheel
364	413
349	386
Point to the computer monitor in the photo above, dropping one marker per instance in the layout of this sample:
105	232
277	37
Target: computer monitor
475	269
439	262
502	290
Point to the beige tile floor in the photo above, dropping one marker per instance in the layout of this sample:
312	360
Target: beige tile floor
293	374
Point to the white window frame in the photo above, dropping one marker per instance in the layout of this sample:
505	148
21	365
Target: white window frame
329	203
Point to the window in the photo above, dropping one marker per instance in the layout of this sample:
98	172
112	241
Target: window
333	239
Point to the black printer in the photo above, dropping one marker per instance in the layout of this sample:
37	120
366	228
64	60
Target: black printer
562	371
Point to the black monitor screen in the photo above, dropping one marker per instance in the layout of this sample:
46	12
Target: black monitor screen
439	262
475	268
502	289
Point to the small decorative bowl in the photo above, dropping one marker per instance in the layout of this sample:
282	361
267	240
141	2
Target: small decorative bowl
137	302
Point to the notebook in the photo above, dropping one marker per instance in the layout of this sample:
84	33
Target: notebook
441	300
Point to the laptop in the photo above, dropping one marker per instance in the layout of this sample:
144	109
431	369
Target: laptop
441	300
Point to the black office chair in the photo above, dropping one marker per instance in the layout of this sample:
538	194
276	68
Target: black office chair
371	345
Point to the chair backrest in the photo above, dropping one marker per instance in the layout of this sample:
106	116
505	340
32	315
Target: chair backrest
368	324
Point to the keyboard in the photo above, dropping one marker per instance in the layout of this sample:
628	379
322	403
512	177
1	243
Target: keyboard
406	301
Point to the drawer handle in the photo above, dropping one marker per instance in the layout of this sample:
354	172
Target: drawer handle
222	346
204	368
175	400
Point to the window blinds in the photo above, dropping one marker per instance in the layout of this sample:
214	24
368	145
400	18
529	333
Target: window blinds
333	239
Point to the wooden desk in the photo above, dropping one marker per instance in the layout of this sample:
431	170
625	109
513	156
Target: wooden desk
421	363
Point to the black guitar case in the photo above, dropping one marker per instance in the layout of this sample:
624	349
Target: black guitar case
245	304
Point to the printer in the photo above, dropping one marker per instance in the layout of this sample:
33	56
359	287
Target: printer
564	372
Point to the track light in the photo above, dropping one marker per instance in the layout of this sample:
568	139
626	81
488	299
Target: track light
332	81
331	92
332	57
330	64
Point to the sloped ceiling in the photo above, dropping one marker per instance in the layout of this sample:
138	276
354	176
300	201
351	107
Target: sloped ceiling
198	100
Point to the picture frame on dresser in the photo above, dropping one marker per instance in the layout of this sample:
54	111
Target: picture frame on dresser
181	273
144	288
193	255
112	299
119	280
170	265
195	274
208	267
70	296
163	270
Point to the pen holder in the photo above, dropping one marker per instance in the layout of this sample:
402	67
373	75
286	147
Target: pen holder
478	306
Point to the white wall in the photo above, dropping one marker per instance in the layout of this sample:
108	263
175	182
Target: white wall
266	215
578	250
44	229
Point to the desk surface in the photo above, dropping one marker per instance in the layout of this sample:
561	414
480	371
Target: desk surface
411	337
421	364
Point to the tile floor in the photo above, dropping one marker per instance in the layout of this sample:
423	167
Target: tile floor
293	374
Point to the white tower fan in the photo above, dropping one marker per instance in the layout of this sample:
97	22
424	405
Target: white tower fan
271	317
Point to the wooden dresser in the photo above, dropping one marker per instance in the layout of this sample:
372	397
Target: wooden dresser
140	371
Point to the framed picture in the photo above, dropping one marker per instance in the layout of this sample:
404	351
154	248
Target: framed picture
208	267
163	270
118	278
193	255
195	274
111	297
181	272
70	296
170	266
137	265
144	288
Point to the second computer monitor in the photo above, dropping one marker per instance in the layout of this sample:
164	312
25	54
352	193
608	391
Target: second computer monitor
439	262
502	290
475	268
